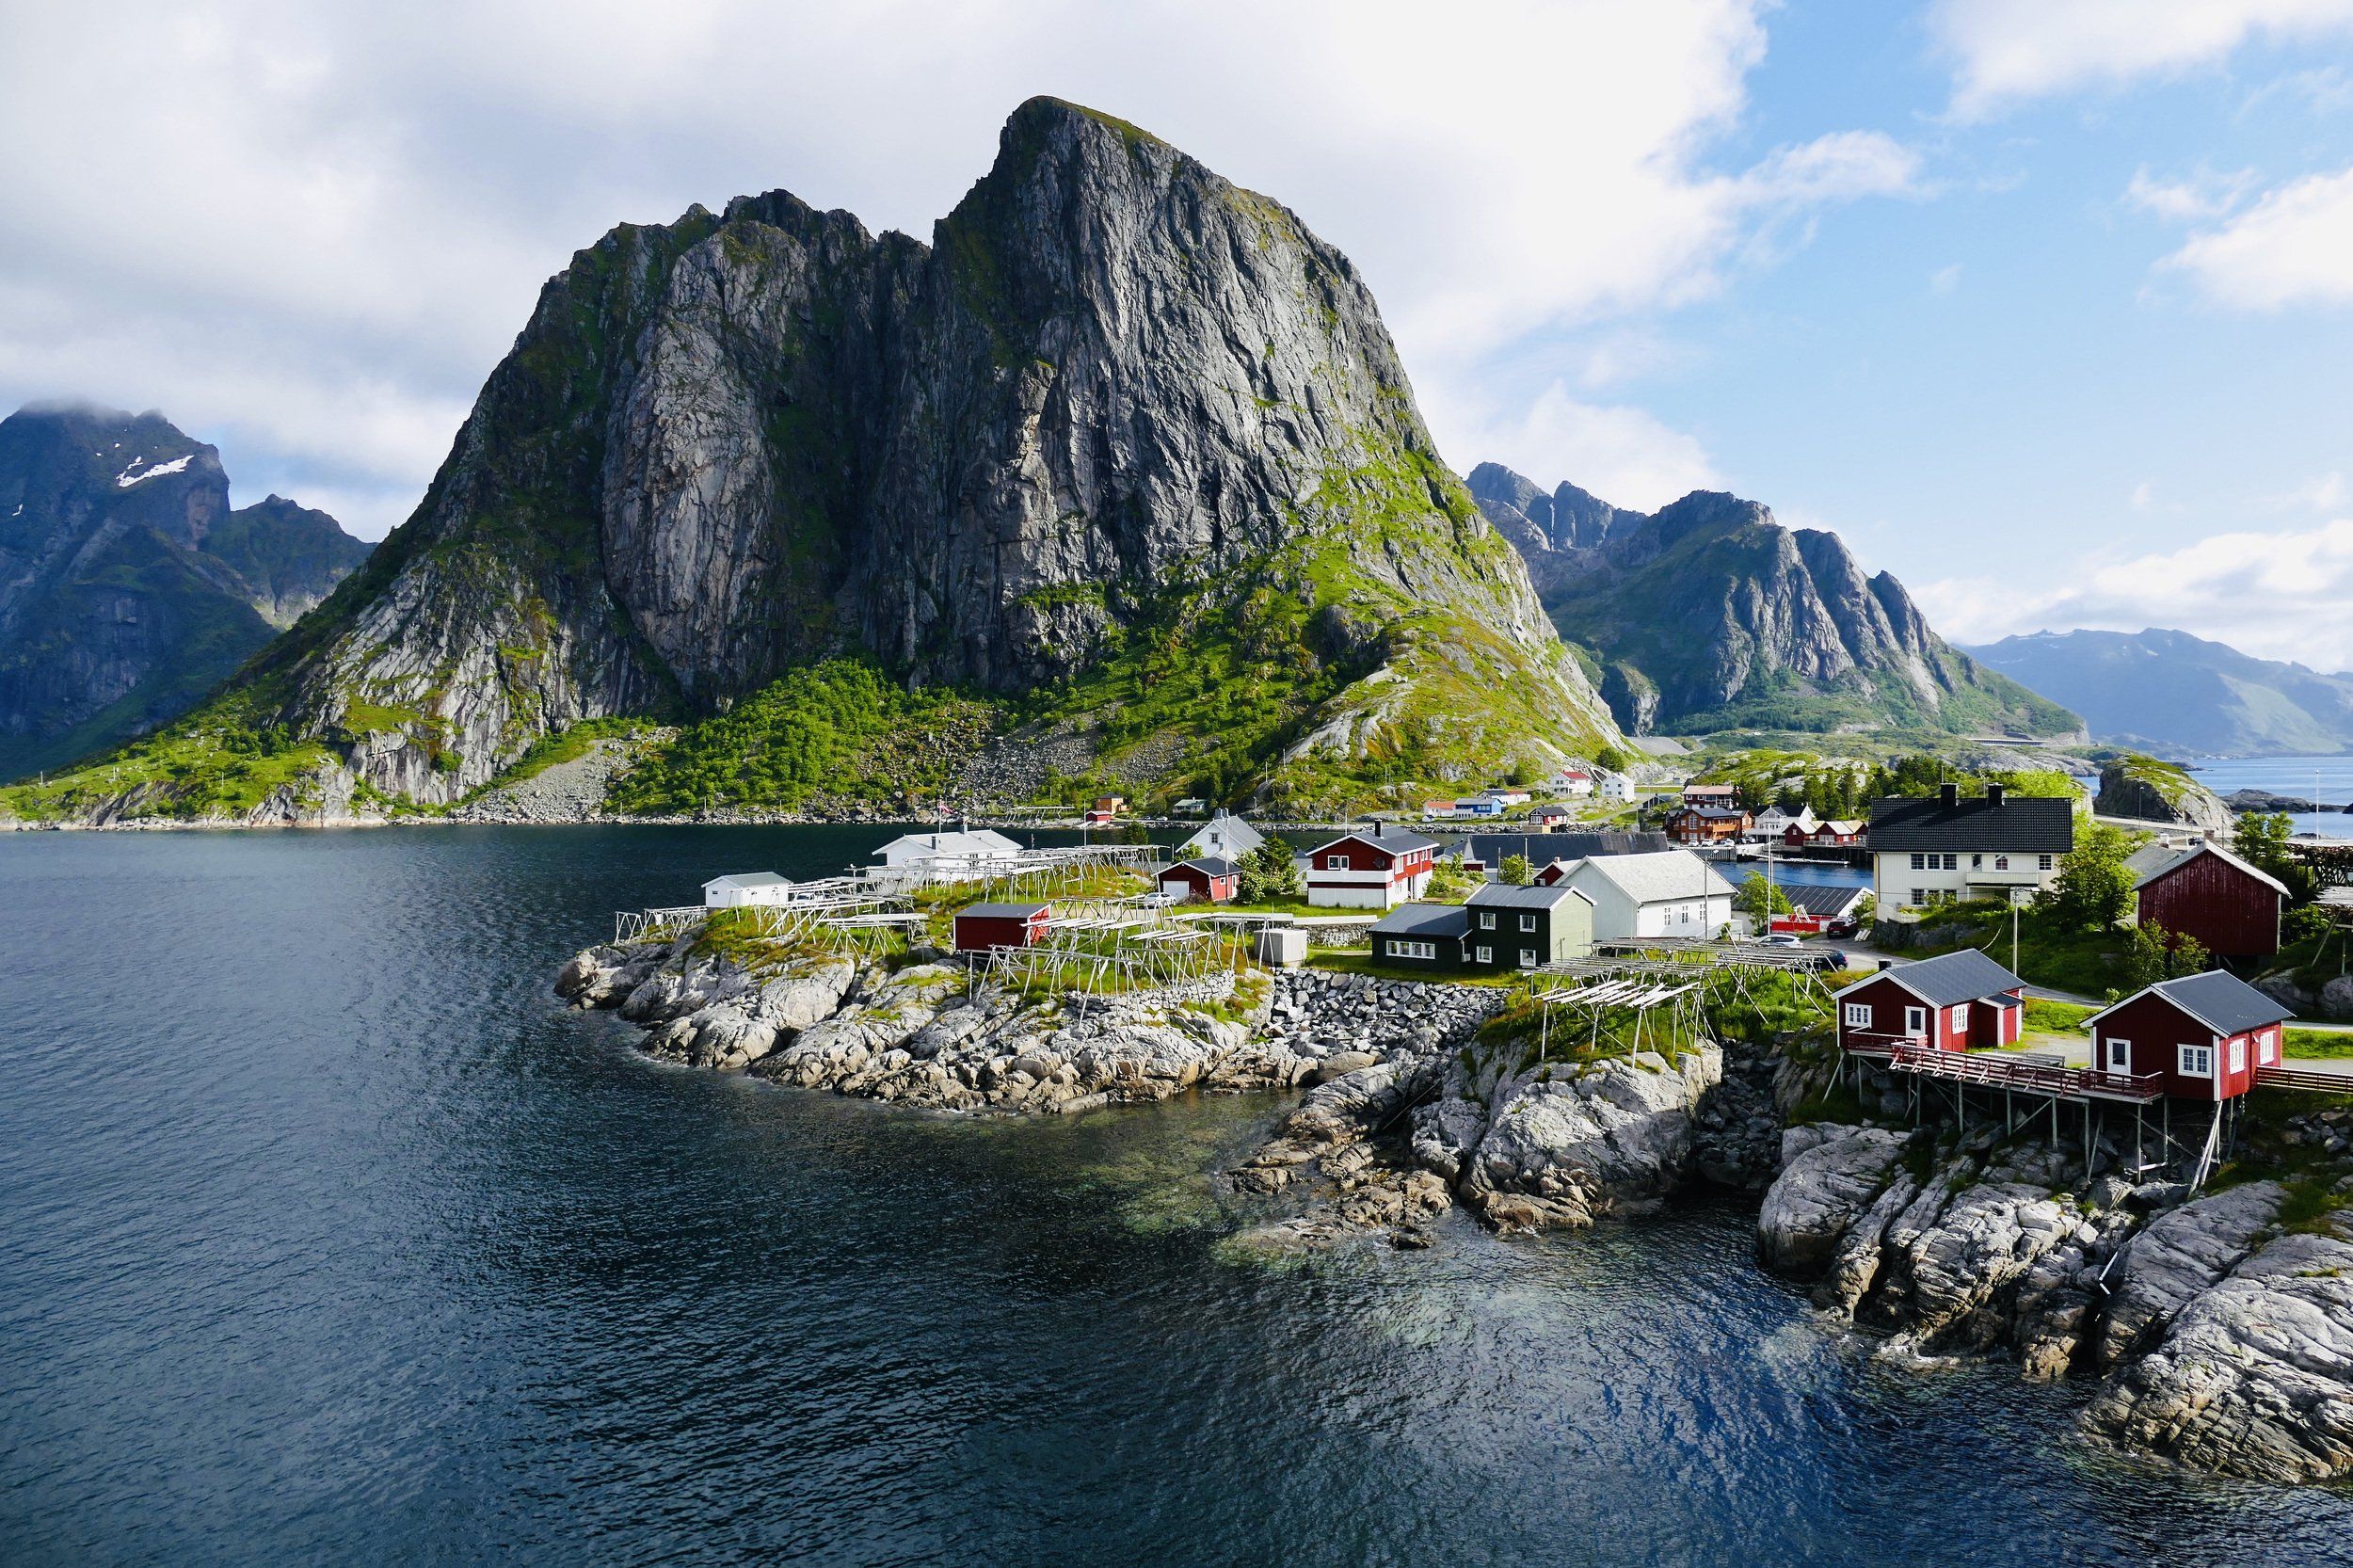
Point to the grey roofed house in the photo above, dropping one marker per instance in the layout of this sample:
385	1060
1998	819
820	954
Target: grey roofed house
1497	895
749	879
1823	899
2217	999
2151	862
1390	841
1666	876
1950	978
1542	849
1423	919
1996	821
1208	865
1224	833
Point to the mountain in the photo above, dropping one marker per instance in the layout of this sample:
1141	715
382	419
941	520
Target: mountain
2171	691
128	586
1707	614
1125	450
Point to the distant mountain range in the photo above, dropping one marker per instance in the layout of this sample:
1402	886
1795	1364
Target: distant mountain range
128	586
1708	614
2172	692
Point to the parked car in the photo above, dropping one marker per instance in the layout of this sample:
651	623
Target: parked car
1784	940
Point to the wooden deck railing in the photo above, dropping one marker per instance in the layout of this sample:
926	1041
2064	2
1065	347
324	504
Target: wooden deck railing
2009	1072
2304	1078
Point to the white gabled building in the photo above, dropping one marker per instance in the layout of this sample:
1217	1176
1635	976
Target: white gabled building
1224	837
1617	786
738	889
1944	848
1774	822
1665	893
917	849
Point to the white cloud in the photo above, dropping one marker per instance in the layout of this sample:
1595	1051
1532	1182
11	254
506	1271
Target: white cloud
322	225
1944	280
2323	492
1622	455
2144	496
2294	247
2201	196
2005	51
2279	595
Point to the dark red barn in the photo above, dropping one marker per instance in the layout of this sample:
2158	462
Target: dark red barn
2202	1037
1209	880
2203	891
1959	1001
981	926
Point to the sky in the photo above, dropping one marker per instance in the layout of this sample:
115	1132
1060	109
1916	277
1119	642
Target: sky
2045	305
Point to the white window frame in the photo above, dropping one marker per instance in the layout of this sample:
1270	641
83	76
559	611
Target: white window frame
2238	1054
2118	1056
1486	956
2194	1060
2268	1049
1857	1015
1527	958
1919	897
1952	862
2045	864
1915	1022
1919	861
1528	922
1336	863
2001	862
1961	1017
1486	919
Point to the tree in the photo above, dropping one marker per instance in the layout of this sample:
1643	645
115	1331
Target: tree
2093	890
1515	871
1612	759
1752	898
2262	841
1449	883
1867	911
1268	875
2158	955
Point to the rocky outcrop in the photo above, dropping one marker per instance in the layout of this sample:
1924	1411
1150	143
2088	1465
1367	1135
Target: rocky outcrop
2183	1254
2255	1374
1709	610
2147	791
1115	394
128	585
1830	1178
1562	1145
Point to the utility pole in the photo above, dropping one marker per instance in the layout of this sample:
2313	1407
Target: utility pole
2013	932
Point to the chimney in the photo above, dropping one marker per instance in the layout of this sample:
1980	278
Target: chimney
1886	964
1993	794
1948	796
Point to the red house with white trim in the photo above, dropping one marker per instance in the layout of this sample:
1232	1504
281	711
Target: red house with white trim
2204	1036
2204	892
979	927
1370	870
1959	1001
1209	880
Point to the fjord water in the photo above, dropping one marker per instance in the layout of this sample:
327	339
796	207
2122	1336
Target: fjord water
329	1238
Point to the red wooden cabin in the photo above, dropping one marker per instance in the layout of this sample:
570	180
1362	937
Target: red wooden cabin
2208	893
979	927
2203	1035
1209	880
1374	871
1708	825
1959	1001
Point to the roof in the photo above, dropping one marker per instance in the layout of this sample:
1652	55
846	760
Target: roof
1816	898
1395	841
1208	865
749	879
1803	815
1497	895
2027	824
1948	979
2152	861
1843	825
1658	878
1709	789
1229	832
1542	849
1004	911
1423	919
2217	999
1714	813
983	840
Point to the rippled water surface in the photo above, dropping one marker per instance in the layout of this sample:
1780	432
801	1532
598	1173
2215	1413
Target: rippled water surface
331	1238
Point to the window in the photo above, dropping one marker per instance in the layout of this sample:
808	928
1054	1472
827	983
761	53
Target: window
1336	862
1952	862
1976	863
1527	958
1413	949
1857	1015
2196	1061
1960	1018
1486	956
1486	919
2268	1049
1528	922
2001	862
1919	896
1916	1022
2238	1054
2043	864
1919	862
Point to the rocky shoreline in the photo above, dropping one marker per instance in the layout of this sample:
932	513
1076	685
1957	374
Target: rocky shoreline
2216	1330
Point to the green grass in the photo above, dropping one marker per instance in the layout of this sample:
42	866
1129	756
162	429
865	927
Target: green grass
2316	1045
567	746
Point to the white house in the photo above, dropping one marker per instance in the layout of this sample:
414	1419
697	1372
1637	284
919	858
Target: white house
1224	837
1774	822
1943	849
914	849
738	889
1665	893
1575	782
1617	786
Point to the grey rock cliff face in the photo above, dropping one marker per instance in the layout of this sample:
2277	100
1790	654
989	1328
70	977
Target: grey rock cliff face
1115	389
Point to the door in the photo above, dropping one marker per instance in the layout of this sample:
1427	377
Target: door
2119	1058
